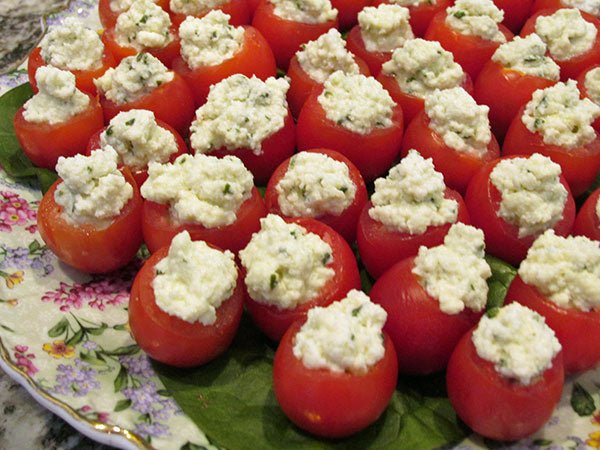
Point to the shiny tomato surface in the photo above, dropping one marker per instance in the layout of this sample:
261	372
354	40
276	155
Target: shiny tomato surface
587	222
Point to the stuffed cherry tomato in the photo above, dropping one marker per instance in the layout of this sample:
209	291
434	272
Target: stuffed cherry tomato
591	8
421	12
589	85
348	11
109	10
236	9
516	12
587	222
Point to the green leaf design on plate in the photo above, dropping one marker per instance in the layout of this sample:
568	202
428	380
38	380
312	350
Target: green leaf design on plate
581	401
58	329
122	405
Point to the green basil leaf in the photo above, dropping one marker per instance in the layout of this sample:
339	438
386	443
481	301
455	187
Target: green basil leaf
498	284
581	401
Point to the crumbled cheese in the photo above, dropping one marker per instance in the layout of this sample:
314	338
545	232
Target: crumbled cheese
589	6
57	100
200	189
344	336
411	197
193	280
138	139
566	33
533	198
122	5
455	273
71	46
285	264
143	25
592	85
315	185
305	11
564	269
421	66
560	116
93	190
210	40
528	56
517	341
476	18
325	55
134	77
384	28
412	2
459	120
194	7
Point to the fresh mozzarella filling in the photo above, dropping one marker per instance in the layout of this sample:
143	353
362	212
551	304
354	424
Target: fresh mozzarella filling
560	116
455	273
314	185
193	280
285	264
566	33
533	198
57	100
143	25
384	28
564	269
356	102
592	85
194	7
325	55
138	139
200	189
421	66
240	112
305	11
528	56
476	18
346	336
411	198
134	77
71	46
412	2
93	190
459	120
518	342
210	40
589	6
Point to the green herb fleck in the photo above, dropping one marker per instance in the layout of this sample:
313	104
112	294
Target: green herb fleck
130	122
326	258
459	14
227	189
109	131
273	281
356	311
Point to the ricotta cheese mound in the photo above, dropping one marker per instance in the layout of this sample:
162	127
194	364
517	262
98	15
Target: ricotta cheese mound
57	100
455	273
143	25
385	27
285	264
194	7
345	336
210	40
93	190
566	33
193	280
240	112
560	116
138	139
564	269
528	56
325	55
71	46
134	77
421	66
200	189
411	198
459	120
589	6
518	342
533	198
592	85
356	102
476	18
122	5
412	2
305	11
315	185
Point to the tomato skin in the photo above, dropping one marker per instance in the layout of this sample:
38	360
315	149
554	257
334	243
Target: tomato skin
587	222
516	13
380	248
584	92
356	45
108	17
165	54
253	58
86	247
237	10
457	167
421	15
494	406
273	321
327	403
345	223
348	11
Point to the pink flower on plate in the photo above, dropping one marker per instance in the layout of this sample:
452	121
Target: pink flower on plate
14	210
23	360
96	294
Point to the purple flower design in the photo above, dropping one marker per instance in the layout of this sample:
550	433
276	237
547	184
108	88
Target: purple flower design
77	380
146	400
151	430
138	365
89	345
14	211
37	258
97	294
23	360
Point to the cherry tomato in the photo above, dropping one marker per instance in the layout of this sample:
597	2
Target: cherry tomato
356	45
348	11
538	5
108	17
165	54
422	13
252	5
516	13
587	222
237	10
584	92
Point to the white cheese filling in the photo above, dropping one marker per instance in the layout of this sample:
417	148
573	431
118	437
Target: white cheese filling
566	33
564	269
518	342
528	56
285	264
122	5
455	273
346	336
240	112
193	280
411	198
305	11
592	85
200	189
589	6
412	2
384	28
476	18
143	25
194	7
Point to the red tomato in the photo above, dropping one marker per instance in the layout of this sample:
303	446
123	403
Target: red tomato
327	403
421	14
587	222
380	247
516	12
502	238
356	45
457	167
495	406
348	11
174	341
237	10
584	92
44	143
538	5
252	5
86	247
108	17
345	223
165	54
274	321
